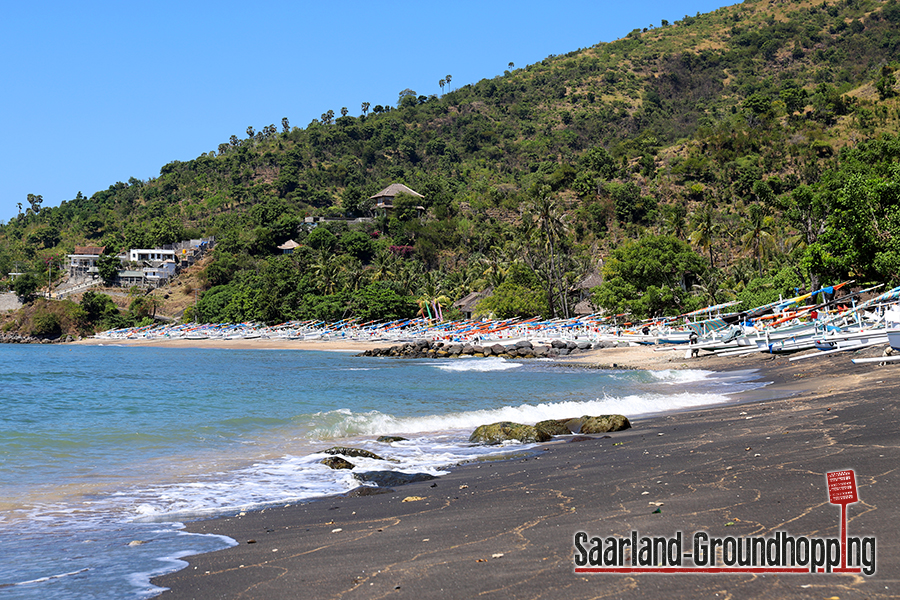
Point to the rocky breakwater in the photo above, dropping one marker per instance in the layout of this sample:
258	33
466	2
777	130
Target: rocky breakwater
522	349
10	337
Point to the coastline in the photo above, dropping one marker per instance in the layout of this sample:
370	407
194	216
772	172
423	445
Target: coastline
626	357
505	528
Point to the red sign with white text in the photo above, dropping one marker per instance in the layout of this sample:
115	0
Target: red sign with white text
842	487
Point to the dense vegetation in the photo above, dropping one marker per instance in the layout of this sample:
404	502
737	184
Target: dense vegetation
743	153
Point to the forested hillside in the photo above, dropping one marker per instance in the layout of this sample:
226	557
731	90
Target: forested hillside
737	154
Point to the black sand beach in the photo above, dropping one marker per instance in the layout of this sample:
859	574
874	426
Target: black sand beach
505	529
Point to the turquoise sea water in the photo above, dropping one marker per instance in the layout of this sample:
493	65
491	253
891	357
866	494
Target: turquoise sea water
105	450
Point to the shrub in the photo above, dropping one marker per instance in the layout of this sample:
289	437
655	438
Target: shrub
45	324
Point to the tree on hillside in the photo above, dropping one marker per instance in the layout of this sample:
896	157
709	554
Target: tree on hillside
35	201
649	277
379	302
704	227
108	266
25	286
758	237
549	229
520	295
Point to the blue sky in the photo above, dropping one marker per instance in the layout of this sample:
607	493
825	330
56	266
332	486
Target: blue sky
98	92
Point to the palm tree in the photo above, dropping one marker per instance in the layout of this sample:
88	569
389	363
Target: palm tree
704	227
448	78
431	294
710	288
365	108
442	83
407	275
459	282
758	236
326	271
550	228
383	266
511	65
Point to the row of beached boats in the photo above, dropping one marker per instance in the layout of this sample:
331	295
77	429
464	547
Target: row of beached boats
838	322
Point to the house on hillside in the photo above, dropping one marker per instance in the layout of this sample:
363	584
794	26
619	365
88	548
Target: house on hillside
153	267
159	273
384	200
584	287
151	254
288	247
468	304
83	261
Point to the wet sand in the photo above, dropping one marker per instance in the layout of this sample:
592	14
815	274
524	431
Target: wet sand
505	529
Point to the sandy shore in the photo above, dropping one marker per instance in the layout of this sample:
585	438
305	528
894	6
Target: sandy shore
505	529
632	357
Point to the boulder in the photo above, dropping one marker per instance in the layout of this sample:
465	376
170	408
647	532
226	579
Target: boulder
353	453
541	351
599	424
392	478
583	345
387	439
524	344
497	433
498	349
455	349
553	426
558	344
336	462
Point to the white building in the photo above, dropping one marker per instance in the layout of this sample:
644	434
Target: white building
84	261
148	255
159	274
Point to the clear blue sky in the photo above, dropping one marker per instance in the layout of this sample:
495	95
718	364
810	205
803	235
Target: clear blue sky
98	92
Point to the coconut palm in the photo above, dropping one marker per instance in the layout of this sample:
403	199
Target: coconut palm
757	236
549	229
327	272
383	266
430	294
704	228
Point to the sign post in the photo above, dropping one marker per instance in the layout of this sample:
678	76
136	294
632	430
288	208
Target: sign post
842	490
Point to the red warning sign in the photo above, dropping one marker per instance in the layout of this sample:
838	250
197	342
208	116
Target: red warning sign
842	487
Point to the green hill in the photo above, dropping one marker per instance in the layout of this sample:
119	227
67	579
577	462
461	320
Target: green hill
762	135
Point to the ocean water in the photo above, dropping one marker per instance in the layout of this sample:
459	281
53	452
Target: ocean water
105	450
